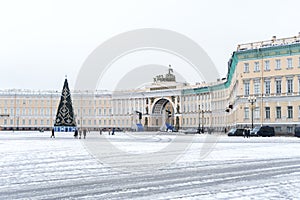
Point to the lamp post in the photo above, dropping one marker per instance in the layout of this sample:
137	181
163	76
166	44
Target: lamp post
201	113
202	129
252	100
18	118
199	127
227	110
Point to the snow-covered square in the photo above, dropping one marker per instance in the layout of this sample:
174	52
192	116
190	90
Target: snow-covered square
35	166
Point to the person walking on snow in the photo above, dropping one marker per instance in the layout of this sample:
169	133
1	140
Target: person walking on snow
80	132
52	133
76	134
84	133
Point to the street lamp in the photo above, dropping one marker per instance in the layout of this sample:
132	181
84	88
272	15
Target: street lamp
140	116
199	127
252	100
201	113
227	110
18	118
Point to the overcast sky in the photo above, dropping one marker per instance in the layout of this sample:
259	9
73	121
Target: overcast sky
42	41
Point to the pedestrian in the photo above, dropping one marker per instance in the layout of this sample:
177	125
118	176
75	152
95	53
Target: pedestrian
52	133
113	131
100	131
80	132
76	133
109	131
248	133
84	133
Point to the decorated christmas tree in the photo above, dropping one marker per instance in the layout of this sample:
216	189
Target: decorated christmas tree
65	119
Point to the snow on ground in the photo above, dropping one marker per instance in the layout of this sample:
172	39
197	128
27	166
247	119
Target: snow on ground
34	166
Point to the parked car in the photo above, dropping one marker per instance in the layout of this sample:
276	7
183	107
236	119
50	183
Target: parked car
254	131
297	132
236	132
266	131
191	131
118	129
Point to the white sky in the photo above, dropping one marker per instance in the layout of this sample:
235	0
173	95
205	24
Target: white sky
42	41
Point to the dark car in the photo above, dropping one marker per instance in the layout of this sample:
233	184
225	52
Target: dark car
297	132
236	132
266	131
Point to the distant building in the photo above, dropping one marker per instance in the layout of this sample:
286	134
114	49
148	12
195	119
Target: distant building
267	71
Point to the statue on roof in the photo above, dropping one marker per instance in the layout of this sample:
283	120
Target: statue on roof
169	77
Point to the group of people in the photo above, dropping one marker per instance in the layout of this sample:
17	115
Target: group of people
84	131
110	131
246	132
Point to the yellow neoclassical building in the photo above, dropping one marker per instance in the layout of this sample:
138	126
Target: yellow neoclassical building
262	87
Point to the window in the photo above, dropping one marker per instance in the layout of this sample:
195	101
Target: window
256	87
299	62
278	86
256	67
289	63
278	64
298	111
267	65
278	112
246	113
290	86
247	88
267	110
290	112
289	129
267	87
278	129
246	67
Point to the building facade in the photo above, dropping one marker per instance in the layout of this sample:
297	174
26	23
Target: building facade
262	87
